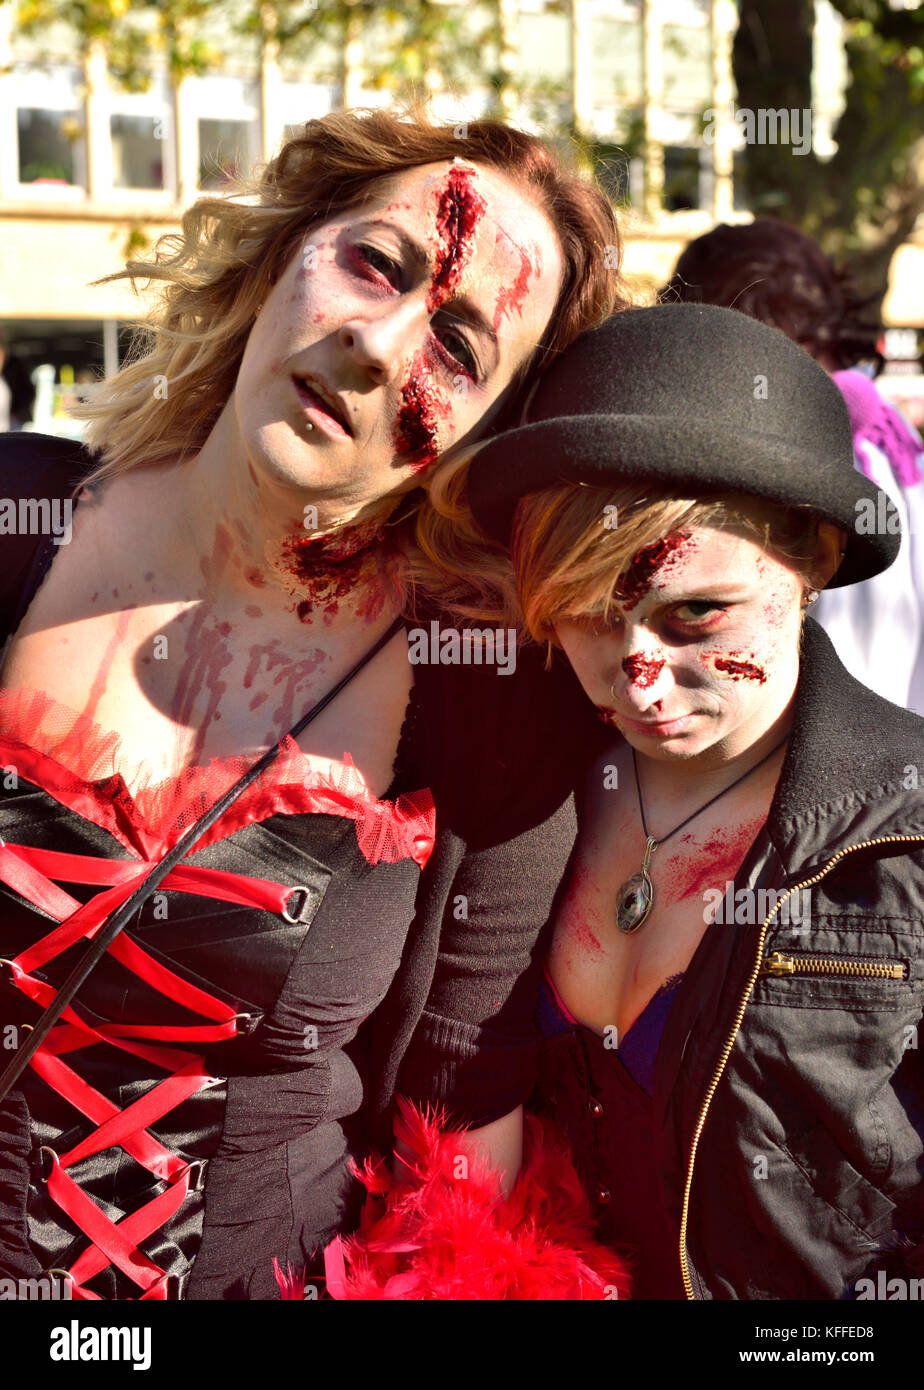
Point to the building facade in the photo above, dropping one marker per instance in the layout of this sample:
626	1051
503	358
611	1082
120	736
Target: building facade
91	173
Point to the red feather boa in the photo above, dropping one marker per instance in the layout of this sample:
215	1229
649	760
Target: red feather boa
449	1232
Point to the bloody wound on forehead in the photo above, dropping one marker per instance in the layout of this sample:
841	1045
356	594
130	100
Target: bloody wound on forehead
459	210
636	580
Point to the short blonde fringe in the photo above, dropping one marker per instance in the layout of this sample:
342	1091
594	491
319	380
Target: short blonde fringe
566	554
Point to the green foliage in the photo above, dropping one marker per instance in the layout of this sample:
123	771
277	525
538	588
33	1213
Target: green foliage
863	202
125	27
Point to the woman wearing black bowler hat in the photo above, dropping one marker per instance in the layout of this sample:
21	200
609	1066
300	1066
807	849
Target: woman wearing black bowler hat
733	989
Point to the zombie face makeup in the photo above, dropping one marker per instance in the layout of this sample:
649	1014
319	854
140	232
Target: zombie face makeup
702	651
393	333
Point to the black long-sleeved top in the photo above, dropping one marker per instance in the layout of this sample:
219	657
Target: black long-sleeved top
781	1152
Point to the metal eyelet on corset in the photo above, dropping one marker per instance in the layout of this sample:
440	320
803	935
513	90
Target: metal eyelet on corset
44	1149
302	914
246	1023
197	1169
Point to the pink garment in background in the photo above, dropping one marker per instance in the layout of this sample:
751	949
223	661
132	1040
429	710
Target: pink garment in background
875	421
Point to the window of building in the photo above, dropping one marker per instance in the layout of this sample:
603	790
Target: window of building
681	178
46	145
137	151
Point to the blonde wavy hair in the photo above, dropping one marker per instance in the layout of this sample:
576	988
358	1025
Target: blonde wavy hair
213	275
570	544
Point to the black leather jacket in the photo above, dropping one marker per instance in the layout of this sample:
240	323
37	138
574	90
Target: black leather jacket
788	1096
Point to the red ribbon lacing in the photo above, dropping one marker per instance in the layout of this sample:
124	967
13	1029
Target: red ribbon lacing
30	873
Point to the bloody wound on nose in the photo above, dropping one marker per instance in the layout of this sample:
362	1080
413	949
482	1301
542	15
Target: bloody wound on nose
643	671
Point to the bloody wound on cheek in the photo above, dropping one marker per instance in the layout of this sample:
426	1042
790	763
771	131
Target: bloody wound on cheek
738	670
417	425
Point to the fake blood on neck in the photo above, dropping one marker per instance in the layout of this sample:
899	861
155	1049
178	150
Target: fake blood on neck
323	571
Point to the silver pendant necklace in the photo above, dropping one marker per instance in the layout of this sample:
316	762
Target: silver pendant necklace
636	896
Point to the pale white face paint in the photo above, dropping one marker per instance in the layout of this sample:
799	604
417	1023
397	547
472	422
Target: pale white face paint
704	653
361	311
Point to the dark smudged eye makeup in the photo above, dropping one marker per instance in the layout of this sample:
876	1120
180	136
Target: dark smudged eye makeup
687	619
379	261
695	616
458	347
697	609
454	344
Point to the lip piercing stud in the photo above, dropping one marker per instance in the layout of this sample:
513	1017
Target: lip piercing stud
309	425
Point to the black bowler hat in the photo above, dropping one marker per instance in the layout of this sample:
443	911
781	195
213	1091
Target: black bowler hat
697	399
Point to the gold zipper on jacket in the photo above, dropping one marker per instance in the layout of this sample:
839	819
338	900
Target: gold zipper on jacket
779	964
884	971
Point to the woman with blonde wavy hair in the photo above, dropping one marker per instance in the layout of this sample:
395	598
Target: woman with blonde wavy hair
236	549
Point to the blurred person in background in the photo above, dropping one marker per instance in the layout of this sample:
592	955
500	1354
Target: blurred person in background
16	389
6	395
777	274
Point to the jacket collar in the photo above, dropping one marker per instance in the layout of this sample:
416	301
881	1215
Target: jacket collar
852	764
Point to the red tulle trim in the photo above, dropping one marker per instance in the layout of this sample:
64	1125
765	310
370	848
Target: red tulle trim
75	761
450	1233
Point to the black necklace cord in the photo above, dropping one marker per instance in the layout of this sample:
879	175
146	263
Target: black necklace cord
638	789
121	915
